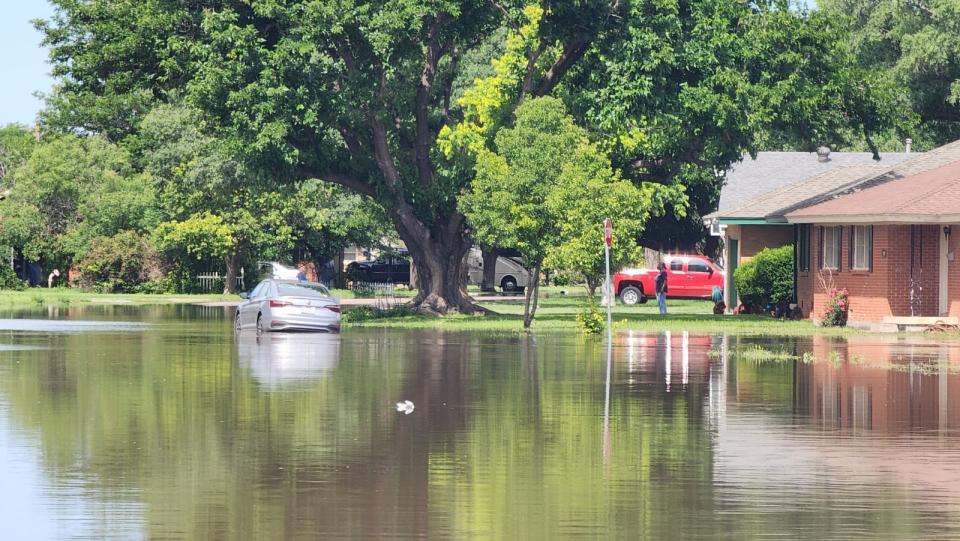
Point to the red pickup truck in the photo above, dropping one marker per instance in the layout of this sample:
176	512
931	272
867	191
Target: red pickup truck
688	276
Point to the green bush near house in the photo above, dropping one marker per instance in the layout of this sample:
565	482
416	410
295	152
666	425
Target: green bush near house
9	280
767	278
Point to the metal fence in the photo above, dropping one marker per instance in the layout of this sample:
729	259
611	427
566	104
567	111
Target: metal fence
384	294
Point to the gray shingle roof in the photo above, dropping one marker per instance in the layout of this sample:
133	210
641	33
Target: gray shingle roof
917	164
778	202
770	171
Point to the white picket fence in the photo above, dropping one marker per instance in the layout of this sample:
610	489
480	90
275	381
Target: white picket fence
209	280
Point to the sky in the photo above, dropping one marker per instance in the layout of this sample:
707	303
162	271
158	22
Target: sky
23	63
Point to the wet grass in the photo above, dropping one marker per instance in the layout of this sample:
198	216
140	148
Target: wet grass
558	313
41	297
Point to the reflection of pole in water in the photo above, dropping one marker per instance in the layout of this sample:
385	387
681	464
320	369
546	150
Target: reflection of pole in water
943	398
668	356
685	352
606	400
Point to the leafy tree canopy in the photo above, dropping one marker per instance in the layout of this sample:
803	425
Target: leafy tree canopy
918	45
356	92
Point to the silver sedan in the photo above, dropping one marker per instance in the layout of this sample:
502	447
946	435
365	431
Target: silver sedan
288	305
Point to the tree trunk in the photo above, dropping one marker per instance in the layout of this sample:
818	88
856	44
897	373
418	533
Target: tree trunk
591	287
533	294
232	261
490	257
438	255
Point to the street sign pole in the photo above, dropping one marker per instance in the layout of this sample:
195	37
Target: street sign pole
608	284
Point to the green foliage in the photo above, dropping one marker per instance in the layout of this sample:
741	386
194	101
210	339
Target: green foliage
368	313
546	189
767	278
917	45
16	144
364	94
9	279
119	264
203	236
591	319
70	190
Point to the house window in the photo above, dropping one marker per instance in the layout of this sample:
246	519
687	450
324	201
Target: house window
862	246
803	248
830	240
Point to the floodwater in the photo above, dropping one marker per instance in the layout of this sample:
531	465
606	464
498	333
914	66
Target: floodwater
125	422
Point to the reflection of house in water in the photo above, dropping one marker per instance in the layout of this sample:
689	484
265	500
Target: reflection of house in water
674	358
869	419
881	385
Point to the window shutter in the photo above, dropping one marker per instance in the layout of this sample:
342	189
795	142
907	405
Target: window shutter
852	248
870	248
839	247
820	248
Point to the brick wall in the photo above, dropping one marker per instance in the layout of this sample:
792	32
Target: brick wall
754	238
885	290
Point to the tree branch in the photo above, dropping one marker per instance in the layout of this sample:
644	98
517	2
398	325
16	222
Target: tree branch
346	180
572	52
422	113
381	153
448	86
532	58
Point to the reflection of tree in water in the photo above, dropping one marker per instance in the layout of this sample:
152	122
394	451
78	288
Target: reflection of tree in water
505	441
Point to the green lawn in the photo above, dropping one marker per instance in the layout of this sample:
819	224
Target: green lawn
59	296
558	313
37	297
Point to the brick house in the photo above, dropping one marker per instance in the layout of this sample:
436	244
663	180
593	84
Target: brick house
882	232
889	241
758	192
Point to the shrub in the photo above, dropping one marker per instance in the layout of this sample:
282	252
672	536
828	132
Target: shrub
837	310
591	319
9	280
119	263
367	313
767	278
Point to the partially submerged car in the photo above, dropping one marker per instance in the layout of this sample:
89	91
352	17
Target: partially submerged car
288	305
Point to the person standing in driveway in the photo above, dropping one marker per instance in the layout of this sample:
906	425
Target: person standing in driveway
661	286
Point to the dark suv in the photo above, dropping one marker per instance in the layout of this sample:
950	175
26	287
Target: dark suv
392	268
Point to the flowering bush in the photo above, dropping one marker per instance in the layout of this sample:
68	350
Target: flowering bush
837	308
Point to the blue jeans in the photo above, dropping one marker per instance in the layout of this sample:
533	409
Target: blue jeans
662	303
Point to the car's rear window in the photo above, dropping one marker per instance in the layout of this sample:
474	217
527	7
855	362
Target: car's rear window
302	290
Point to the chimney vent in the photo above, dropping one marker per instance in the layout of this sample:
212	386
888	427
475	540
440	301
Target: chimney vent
823	154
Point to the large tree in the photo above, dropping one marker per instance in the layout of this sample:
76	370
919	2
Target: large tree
355	92
918	44
349	92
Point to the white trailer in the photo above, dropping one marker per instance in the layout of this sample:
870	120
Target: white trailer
511	275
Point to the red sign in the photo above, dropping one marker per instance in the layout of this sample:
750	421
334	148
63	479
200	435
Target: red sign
608	231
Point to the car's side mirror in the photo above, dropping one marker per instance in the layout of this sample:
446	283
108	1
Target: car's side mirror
710	271
244	295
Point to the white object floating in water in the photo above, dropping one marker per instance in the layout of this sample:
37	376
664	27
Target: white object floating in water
406	407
